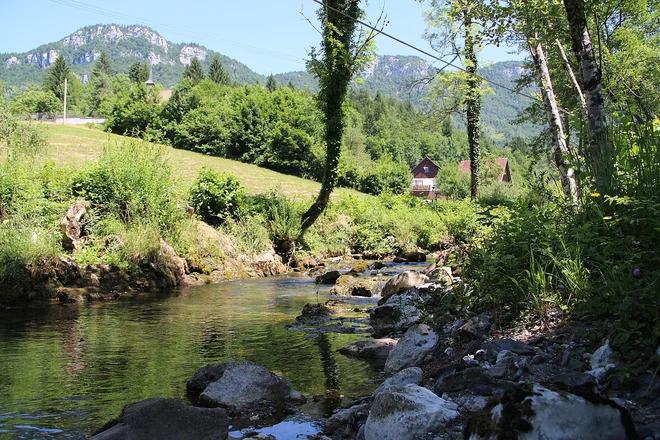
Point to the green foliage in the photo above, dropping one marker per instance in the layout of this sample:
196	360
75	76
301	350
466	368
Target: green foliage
194	71
132	182
54	81
19	139
102	66
385	175
217	73
215	196
21	248
43	103
452	182
139	72
132	111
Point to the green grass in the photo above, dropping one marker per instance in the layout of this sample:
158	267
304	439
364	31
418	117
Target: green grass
75	146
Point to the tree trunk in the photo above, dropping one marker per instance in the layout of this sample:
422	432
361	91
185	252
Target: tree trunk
574	81
334	78
599	145
472	104
561	149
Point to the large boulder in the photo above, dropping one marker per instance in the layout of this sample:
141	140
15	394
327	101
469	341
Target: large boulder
329	277
347	421
530	412
72	224
401	413
412	348
347	285
393	317
407	376
369	348
402	282
243	388
166	419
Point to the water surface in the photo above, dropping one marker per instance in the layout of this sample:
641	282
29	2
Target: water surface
65	369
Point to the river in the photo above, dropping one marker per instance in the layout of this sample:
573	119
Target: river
65	369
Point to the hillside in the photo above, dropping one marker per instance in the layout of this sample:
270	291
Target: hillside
391	75
75	146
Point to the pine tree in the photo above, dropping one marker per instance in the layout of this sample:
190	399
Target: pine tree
102	65
271	83
194	71
217	73
139	72
54	80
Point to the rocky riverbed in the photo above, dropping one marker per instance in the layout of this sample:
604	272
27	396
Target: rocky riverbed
443	377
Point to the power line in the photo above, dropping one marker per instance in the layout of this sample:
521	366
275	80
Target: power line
194	35
381	32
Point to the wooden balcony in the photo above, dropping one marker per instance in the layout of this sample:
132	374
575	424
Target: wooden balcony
422	187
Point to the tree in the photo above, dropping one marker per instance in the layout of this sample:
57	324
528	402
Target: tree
271	83
41	102
139	72
599	145
456	26
342	54
194	71
102	66
217	73
54	80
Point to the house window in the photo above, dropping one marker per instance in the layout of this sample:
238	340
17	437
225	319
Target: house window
426	170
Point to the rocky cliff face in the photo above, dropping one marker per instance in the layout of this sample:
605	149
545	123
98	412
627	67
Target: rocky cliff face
124	45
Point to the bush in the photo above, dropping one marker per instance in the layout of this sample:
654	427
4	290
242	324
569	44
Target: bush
132	181
215	196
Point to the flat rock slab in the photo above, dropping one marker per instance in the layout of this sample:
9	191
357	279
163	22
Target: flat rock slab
166	419
407	376
369	348
517	347
402	282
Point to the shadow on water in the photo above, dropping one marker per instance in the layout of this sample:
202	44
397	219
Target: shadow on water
68	368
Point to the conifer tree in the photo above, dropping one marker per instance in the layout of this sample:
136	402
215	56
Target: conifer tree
54	80
102	65
139	72
217	73
194	71
271	83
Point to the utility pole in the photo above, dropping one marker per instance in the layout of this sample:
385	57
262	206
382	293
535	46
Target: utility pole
64	118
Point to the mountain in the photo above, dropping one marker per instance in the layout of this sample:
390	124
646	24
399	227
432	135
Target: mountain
125	45
405	77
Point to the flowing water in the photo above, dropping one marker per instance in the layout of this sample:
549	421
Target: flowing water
65	369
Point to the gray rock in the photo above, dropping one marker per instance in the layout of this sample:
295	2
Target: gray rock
166	419
402	282
483	390
401	413
393	317
369	348
531	411
243	387
466	379
505	365
474	403
412	348
349	418
541	358
477	327
517	347
328	277
603	357
573	382
407	376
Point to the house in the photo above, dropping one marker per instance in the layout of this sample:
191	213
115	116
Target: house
424	173
503	162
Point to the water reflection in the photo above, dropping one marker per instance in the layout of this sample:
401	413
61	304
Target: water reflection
71	367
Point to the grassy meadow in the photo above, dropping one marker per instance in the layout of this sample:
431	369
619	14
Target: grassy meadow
74	146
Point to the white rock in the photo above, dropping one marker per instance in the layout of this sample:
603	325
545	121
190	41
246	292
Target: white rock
402	413
411	349
556	416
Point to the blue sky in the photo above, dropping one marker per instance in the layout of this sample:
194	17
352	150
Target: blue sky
269	36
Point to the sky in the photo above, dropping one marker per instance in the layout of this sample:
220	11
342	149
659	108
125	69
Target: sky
269	36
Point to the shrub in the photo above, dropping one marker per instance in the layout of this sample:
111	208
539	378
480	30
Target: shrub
215	196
